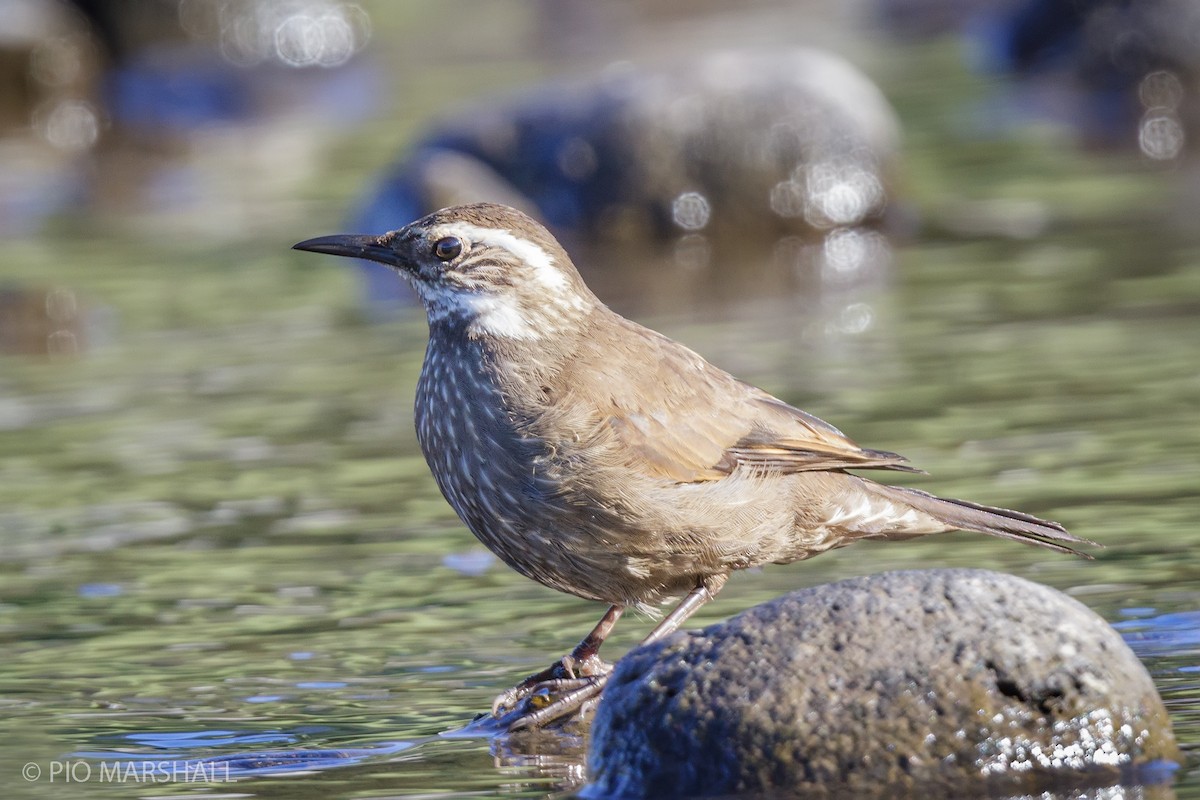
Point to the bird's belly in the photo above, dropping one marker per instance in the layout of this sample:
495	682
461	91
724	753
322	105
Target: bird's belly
534	533
577	545
493	475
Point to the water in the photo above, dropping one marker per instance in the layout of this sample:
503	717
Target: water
220	541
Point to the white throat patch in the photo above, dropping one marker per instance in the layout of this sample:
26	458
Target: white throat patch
485	315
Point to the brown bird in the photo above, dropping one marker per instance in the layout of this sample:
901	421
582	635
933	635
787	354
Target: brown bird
602	459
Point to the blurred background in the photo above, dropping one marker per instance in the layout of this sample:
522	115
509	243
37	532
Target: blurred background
963	231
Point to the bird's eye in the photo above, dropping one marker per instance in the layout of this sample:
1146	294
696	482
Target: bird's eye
447	249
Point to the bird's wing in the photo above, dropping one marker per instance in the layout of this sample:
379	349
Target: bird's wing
786	439
688	421
698	444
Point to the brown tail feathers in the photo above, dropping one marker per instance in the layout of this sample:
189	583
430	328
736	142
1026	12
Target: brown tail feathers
1002	522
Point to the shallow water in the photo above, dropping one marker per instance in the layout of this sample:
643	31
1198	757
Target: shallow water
220	541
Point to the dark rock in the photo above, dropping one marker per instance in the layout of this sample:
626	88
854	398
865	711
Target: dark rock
934	682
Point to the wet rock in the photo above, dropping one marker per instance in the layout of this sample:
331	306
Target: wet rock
931	682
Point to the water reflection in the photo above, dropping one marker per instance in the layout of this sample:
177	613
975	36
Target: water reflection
1174	634
229	505
119	767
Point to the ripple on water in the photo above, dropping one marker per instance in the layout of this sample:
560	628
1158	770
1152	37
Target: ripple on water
190	753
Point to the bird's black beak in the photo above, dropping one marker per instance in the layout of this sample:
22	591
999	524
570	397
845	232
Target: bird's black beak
372	248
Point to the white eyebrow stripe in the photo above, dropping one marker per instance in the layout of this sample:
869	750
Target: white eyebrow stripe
538	259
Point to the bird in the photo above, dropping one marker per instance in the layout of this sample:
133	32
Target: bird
607	461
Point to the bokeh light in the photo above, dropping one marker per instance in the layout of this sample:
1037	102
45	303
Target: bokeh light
840	192
691	211
295	33
1160	135
70	125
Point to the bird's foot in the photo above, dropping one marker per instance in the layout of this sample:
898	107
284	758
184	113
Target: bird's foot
551	700
544	689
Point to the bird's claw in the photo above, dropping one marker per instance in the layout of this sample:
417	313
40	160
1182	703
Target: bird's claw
554	700
547	688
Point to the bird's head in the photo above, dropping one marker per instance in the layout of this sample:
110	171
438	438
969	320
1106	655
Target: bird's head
488	269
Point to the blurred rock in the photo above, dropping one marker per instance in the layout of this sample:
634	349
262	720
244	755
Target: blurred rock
50	75
936	682
1118	73
48	58
44	322
163	108
921	19
731	145
1134	67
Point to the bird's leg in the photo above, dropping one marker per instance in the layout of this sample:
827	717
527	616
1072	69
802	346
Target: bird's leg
585	658
585	695
705	590
582	663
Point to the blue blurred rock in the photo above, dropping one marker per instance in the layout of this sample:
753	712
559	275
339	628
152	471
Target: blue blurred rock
1121	73
176	89
792	142
1116	54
